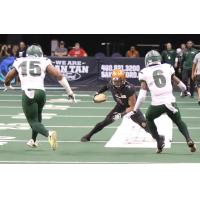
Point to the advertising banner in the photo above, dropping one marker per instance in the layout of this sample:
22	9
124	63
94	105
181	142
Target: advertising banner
131	66
75	69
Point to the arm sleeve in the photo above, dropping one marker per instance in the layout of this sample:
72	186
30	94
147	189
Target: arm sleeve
141	76
103	89
140	99
195	59
131	90
171	69
16	64
47	62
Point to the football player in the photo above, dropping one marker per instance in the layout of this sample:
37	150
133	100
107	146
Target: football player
158	78
31	70
124	95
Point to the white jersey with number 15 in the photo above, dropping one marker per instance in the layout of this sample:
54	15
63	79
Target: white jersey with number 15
158	79
31	71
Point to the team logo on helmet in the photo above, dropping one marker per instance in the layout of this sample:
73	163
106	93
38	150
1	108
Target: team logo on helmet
152	58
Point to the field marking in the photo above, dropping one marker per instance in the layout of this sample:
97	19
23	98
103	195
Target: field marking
105	127
99	108
25	126
69	162
48	95
85	101
77	141
80	116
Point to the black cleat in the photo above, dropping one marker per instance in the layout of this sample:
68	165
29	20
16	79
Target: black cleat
160	144
199	103
85	138
192	146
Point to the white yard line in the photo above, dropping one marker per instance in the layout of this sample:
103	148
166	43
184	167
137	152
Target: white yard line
78	141
96	108
67	162
90	101
89	116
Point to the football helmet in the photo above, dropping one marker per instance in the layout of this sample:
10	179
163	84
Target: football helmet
118	78
34	50
152	58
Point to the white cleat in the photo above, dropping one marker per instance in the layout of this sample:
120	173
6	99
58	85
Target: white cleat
32	144
53	140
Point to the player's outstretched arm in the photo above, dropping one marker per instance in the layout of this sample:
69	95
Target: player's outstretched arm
141	96
194	71
51	70
9	77
181	85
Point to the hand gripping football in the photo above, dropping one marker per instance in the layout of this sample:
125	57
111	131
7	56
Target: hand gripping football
99	98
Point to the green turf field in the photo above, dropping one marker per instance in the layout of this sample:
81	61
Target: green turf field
71	121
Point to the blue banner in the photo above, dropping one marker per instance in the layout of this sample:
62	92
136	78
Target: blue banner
5	65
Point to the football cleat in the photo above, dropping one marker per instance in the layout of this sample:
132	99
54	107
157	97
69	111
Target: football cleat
160	144
85	138
192	146
53	140
32	144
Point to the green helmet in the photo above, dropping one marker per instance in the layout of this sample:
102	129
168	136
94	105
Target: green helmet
34	50
152	58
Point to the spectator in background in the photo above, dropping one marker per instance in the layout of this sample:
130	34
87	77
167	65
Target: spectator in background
14	50
22	50
4	51
77	51
178	63
132	53
183	47
169	54
188	57
196	73
61	51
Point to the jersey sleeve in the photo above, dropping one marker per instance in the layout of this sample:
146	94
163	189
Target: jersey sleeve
103	89
171	69
16	64
130	90
141	76
46	62
195	59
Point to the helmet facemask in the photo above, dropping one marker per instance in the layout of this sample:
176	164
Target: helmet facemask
118	82
118	78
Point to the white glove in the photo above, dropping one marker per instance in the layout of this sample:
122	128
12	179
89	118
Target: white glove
117	116
129	114
8	87
72	97
186	93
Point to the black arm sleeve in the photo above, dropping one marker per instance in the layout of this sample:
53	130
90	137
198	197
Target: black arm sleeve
103	89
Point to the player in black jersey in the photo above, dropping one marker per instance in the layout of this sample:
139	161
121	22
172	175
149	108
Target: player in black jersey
125	97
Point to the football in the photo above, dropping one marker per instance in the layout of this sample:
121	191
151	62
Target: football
99	98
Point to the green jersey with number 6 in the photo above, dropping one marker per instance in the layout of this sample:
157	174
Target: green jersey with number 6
158	79
32	71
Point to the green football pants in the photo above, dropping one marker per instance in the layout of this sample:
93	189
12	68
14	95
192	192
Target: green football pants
32	108
154	112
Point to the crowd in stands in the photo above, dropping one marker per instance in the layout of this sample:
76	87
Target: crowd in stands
181	58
